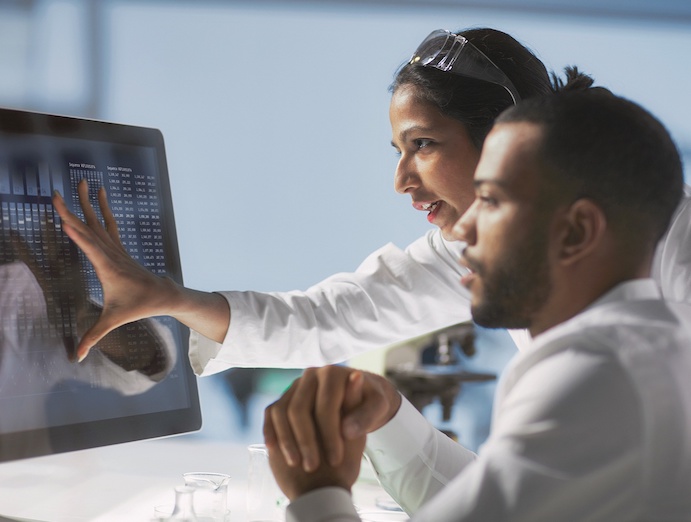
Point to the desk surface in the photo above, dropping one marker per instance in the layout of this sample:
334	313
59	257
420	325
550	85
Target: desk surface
125	482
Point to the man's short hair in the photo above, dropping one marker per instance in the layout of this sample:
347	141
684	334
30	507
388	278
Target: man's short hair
608	149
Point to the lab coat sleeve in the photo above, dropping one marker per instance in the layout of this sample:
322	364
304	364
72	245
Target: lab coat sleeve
323	505
672	262
414	461
394	295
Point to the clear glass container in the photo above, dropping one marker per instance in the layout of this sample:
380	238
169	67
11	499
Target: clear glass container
265	501
184	505
211	495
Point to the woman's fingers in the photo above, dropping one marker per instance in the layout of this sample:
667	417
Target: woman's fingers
111	224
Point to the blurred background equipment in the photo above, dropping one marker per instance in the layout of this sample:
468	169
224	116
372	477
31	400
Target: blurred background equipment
431	368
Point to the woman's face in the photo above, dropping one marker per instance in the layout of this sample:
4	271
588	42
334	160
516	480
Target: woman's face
437	159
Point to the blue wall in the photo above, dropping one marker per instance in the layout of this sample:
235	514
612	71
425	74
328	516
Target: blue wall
276	119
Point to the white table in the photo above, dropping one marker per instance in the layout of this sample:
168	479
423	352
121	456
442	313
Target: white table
123	483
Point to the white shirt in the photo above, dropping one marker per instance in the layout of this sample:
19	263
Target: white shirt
394	295
592	422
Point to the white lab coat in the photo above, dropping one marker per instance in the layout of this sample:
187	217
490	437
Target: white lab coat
591	422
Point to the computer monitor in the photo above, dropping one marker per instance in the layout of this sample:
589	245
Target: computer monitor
137	382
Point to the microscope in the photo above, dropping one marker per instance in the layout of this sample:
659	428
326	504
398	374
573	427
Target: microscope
431	367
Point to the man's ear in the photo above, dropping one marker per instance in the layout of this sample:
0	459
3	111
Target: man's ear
582	229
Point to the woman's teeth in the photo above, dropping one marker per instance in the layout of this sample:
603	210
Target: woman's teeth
430	206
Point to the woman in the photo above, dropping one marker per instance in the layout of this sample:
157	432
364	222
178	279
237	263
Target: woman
443	104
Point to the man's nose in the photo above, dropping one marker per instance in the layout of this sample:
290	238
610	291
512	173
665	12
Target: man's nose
464	229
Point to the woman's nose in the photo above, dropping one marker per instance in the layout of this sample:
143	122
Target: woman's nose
405	177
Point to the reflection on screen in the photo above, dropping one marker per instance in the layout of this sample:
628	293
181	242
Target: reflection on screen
50	295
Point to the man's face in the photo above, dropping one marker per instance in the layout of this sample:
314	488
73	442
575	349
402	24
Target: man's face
507	231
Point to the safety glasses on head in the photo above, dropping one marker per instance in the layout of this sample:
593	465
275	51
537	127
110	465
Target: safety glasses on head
453	53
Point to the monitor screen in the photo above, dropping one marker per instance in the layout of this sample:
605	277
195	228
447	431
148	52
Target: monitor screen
136	383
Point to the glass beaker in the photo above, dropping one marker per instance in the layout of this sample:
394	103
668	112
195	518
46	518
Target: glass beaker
210	495
265	500
183	511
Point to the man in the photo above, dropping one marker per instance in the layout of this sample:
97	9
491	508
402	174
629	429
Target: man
591	422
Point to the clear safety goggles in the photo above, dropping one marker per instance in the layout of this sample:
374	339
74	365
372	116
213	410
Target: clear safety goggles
453	53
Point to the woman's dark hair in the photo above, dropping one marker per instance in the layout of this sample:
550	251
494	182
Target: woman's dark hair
476	103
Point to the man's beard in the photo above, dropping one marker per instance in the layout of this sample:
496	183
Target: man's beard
515	288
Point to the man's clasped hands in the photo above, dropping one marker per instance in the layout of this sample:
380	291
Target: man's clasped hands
316	431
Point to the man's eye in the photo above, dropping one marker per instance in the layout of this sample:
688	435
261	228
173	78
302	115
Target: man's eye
422	143
487	201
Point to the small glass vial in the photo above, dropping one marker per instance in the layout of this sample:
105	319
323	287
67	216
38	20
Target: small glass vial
184	505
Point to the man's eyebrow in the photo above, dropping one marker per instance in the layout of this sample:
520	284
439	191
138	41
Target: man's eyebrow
478	182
